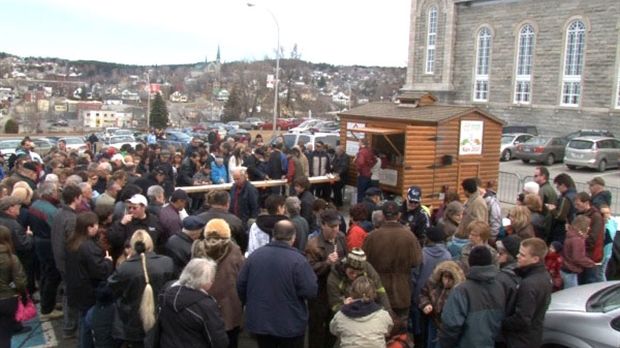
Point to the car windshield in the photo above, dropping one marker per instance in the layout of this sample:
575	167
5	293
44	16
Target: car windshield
537	141
507	139
604	300
9	144
580	144
289	140
121	139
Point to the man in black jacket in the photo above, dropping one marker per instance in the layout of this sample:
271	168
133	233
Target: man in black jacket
179	246
244	198
220	203
340	167
137	219
155	177
524	328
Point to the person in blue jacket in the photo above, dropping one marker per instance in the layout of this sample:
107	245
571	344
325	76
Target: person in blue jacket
274	284
218	171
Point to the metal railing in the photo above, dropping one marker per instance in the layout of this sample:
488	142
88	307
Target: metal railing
509	186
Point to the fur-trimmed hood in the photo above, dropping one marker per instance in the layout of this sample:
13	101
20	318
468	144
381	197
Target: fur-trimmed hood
212	247
450	267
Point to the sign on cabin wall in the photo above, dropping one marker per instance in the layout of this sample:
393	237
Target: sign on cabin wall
470	141
351	128
352	148
388	177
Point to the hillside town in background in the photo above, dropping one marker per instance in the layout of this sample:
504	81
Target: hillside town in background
52	94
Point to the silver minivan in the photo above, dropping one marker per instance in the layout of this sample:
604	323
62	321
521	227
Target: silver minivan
592	152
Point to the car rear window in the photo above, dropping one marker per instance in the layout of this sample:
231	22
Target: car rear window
537	141
331	141
289	140
580	144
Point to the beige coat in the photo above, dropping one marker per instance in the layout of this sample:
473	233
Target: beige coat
475	209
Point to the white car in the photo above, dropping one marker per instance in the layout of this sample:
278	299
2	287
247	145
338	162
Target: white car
117	141
305	126
75	143
509	144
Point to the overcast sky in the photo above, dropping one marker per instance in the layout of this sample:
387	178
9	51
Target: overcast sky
339	32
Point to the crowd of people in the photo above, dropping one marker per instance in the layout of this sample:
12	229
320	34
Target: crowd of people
135	260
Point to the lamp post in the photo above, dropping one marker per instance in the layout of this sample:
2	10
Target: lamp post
348	84
148	103
275	97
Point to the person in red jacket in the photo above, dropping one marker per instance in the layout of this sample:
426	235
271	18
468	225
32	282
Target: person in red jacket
553	261
364	161
594	238
356	234
574	257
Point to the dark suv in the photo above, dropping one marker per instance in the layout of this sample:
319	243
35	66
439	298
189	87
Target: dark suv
589	133
513	128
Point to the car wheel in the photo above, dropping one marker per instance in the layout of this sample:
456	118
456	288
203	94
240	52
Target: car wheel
550	160
571	167
602	166
506	155
526	161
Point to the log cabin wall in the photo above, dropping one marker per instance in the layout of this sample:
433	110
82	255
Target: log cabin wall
424	149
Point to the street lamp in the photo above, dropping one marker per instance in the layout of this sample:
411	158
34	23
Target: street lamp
275	97
348	84
148	103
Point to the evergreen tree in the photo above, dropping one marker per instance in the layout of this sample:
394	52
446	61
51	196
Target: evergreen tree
159	113
233	107
11	127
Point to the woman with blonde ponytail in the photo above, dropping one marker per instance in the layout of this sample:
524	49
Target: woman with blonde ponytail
136	283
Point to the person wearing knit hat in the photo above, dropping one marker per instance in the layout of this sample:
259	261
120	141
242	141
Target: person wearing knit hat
217	245
344	272
355	259
510	244
179	246
479	299
435	235
508	249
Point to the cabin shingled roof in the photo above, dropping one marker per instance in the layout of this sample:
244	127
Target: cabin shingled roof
433	114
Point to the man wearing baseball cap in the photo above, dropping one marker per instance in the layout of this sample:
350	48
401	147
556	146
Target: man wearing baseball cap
393	251
137	219
414	215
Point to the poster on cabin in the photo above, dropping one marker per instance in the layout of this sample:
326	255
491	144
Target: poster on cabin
470	141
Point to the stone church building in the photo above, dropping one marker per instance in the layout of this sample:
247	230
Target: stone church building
551	63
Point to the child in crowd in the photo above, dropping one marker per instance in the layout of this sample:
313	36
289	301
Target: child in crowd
445	277
361	322
553	261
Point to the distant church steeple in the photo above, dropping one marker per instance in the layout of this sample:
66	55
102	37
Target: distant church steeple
218	53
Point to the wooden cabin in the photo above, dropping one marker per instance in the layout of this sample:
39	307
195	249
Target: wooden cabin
432	146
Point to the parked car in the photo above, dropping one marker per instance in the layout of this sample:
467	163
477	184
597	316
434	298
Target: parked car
327	127
547	150
592	152
292	139
519	128
117	141
510	142
305	126
75	143
255	122
281	124
584	316
179	140
243	134
42	146
589	133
